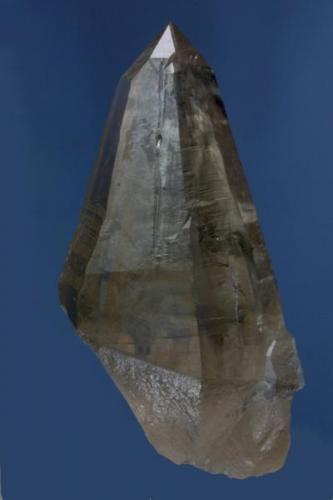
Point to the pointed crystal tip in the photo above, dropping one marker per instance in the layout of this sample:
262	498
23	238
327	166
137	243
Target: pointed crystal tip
170	43
165	46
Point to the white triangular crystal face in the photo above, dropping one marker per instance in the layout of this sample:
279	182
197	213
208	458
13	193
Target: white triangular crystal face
165	47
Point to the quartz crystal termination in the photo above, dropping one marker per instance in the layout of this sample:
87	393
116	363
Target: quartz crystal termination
168	278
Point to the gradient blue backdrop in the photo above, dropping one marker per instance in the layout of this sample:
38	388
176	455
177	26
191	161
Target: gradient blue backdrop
66	433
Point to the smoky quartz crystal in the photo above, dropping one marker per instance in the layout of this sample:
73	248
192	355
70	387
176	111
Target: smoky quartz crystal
168	278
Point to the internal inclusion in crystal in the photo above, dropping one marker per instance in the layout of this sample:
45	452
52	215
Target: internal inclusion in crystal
168	278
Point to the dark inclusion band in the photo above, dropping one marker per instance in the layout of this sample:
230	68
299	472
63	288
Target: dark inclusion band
168	278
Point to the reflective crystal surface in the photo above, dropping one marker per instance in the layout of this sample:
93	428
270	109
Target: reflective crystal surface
168	278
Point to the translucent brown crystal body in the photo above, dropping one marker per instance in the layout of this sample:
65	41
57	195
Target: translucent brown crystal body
168	278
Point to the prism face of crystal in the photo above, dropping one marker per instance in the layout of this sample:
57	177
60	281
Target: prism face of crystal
168	278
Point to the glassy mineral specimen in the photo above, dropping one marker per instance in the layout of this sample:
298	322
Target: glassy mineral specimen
168	279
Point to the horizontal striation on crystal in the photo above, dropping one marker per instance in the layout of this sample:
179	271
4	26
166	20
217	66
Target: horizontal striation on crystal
168	278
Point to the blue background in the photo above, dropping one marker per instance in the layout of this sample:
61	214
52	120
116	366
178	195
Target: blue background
66	433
